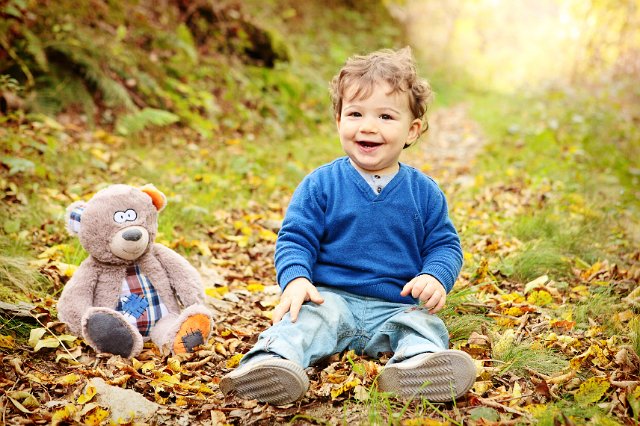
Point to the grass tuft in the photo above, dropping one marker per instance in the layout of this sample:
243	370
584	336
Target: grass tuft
539	259
18	279
634	334
518	357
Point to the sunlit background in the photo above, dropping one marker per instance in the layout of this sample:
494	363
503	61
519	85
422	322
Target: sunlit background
521	44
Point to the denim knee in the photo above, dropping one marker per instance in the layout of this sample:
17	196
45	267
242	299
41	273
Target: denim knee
315	335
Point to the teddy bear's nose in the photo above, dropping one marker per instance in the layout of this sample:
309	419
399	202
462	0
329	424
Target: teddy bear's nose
132	234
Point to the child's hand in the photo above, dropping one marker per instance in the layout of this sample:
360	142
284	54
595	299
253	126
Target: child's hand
294	295
428	290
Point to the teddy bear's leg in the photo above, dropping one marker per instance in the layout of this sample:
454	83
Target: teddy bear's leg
182	333
106	330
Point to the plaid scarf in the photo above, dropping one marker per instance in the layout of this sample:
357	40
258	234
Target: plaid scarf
139	301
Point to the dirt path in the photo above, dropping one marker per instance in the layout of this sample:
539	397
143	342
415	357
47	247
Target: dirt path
449	148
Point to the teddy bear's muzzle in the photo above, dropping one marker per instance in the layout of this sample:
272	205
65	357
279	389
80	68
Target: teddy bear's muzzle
129	243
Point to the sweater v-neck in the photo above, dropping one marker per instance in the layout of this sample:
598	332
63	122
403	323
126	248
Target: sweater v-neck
365	188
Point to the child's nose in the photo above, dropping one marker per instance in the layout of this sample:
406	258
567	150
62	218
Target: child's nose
368	125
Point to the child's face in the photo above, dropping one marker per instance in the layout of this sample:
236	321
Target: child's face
373	131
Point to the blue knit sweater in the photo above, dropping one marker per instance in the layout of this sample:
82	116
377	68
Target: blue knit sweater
337	232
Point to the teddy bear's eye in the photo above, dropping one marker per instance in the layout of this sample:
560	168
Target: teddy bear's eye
131	214
120	217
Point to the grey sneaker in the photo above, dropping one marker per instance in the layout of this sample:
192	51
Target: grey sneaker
277	381
439	377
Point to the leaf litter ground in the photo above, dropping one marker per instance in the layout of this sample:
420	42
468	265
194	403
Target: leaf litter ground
531	355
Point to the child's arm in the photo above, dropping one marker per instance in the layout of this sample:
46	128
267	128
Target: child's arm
297	292
428	290
441	249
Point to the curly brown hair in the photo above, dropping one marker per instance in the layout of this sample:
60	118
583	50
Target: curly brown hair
395	67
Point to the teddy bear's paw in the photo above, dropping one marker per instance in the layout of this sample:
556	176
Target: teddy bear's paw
107	333
193	332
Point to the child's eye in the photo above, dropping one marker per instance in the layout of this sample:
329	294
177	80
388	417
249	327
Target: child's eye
355	114
386	117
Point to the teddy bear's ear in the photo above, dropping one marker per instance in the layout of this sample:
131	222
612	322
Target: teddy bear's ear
73	216
157	198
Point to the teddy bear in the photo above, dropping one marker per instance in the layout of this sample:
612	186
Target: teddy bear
129	289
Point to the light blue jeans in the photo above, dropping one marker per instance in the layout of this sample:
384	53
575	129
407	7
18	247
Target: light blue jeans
346	321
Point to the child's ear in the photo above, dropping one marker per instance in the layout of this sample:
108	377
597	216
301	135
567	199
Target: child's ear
158	199
73	215
415	130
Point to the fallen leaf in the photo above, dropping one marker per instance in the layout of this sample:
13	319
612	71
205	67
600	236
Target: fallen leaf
592	390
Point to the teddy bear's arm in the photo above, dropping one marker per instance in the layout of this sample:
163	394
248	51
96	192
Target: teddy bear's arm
77	295
185	279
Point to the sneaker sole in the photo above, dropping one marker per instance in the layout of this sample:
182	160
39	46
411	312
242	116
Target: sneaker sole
276	381
440	377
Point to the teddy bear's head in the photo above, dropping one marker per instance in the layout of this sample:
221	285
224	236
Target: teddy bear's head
119	223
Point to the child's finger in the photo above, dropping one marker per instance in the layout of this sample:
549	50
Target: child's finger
439	306
407	288
315	297
294	309
420	290
280	310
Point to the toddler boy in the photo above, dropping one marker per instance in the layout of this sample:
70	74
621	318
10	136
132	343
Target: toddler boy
366	254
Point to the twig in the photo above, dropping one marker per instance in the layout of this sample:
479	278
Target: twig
494	404
523	323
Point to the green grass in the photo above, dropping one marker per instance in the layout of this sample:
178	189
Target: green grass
556	413
459	319
518	357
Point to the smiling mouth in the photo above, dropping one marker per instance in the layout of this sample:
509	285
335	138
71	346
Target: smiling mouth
366	144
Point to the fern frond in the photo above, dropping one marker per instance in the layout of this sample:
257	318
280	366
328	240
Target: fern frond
138	121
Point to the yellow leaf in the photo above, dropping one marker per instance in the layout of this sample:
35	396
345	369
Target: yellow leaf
96	417
512	297
68	379
23	400
49	342
594	331
592	390
234	361
203	247
514	311
162	400
346	386
516	393
216	292
481	386
181	401
255	287
536	409
174	365
267	235
241	240
539	298
35	335
7	342
623	316
120	381
64	414
424	421
219	347
581	290
89	393
147	366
